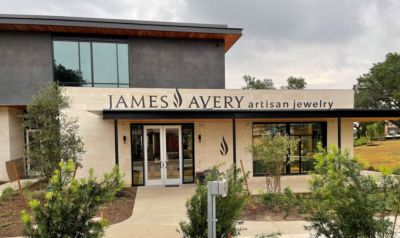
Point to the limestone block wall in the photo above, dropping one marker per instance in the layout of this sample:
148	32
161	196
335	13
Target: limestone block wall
12	144
124	151
207	152
97	134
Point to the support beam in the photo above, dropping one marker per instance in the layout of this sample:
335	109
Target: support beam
234	140
116	141
339	132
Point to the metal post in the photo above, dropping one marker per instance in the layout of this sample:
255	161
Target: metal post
339	127
214	189
210	203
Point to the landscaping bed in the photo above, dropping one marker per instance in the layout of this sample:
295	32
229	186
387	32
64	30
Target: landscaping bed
262	213
259	211
11	206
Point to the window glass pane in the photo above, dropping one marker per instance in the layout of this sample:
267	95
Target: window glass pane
123	71
104	63
307	136
137	155
66	63
188	153
85	62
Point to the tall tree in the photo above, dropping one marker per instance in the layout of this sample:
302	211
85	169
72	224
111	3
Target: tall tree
295	83
380	87
255	83
55	138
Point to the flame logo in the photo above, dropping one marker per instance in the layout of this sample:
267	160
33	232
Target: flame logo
224	147
177	98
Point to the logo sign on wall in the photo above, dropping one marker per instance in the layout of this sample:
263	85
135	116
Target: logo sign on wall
223	147
207	100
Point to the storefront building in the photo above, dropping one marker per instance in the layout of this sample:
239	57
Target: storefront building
150	97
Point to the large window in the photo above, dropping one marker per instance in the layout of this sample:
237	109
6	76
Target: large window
307	136
91	64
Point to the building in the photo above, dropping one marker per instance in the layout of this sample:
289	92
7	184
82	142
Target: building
150	97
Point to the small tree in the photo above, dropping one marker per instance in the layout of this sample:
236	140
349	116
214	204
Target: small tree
343	203
228	209
272	151
56	137
71	205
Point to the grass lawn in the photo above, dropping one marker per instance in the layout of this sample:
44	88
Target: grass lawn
384	155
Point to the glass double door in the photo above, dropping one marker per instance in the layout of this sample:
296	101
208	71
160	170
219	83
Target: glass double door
163	155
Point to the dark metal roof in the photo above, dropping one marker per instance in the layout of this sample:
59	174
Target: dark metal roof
242	114
117	23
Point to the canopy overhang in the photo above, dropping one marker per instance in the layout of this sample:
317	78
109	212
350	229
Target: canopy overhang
354	114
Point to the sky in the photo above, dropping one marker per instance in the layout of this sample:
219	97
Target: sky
328	42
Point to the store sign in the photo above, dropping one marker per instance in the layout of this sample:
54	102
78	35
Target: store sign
248	100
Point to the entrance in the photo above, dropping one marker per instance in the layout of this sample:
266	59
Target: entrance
163	155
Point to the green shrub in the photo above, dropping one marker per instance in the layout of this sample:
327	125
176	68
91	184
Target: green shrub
344	203
228	209
286	201
71	205
361	141
8	193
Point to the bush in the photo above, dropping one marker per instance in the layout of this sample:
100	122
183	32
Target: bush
8	193
228	209
344	203
70	205
361	141
286	201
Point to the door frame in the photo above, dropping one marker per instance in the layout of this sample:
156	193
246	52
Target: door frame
163	171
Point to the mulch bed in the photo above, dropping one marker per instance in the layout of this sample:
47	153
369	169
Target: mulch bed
262	213
10	210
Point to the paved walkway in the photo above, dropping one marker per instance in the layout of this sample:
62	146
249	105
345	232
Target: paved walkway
158	211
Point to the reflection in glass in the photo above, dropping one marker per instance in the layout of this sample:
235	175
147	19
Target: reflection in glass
123	70
172	153
307	136
188	153
86	68
137	155
86	63
153	154
66	63
104	63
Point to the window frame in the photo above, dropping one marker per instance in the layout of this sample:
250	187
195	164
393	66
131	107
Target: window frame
324	138
92	40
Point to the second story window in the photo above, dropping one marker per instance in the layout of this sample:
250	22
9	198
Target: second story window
91	64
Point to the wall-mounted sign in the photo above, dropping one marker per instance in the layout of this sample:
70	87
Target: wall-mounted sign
194	99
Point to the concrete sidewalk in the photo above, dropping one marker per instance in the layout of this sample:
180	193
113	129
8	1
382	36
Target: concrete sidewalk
158	211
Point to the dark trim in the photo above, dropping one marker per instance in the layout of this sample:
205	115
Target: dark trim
234	140
132	143
116	24
241	114
339	132
116	141
193	155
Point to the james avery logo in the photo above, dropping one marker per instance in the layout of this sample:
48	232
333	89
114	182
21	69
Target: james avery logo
224	147
177	99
